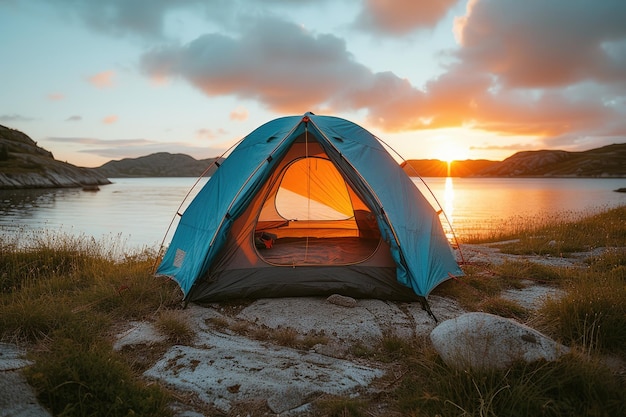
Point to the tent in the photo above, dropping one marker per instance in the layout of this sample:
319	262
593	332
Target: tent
305	206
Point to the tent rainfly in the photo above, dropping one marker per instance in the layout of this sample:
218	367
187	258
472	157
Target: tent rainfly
309	206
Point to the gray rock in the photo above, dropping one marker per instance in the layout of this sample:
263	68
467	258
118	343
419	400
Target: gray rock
285	400
341	300
17	398
486	341
138	333
11	357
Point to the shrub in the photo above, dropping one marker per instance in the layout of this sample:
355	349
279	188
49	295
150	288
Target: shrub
74	379
174	326
591	314
570	386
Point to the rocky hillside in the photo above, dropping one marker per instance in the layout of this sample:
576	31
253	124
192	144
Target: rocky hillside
162	164
608	161
23	164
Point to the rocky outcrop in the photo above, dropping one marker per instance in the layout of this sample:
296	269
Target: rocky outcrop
23	164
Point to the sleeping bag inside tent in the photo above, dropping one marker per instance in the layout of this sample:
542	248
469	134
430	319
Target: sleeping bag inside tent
309	206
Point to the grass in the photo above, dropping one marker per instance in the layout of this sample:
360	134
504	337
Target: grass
592	314
590	318
559	234
63	297
283	336
173	325
342	407
571	386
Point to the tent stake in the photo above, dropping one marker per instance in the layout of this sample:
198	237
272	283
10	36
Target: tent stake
426	307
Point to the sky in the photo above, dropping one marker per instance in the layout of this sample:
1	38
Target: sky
99	80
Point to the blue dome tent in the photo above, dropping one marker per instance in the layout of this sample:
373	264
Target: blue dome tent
304	206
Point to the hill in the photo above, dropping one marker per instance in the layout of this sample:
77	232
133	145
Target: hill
23	164
437	168
605	162
162	164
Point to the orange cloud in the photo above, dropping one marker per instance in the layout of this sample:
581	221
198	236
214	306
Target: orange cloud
103	79
516	72
110	119
544	44
239	114
402	16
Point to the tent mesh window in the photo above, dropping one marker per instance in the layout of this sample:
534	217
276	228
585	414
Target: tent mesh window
311	216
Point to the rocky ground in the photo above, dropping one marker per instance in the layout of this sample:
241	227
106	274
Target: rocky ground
234	360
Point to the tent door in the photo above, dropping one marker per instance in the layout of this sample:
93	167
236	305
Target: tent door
311	216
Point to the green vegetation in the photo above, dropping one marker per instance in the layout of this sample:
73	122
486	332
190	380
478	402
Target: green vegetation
172	323
559	233
573	386
590	318
63	298
592	314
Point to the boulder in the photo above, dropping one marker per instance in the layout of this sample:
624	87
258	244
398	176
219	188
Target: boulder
487	341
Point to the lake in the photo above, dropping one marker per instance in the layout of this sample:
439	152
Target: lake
136	212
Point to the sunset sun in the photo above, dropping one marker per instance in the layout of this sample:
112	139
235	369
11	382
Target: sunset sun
449	151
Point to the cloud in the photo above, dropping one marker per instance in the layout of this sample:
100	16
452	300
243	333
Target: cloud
101	142
532	68
74	118
509	147
109	120
273	61
239	114
56	96
399	17
536	43
209	134
123	17
134	147
289	69
114	153
552	69
102	79
149	20
15	118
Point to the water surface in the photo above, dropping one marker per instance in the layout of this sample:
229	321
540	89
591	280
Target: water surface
140	210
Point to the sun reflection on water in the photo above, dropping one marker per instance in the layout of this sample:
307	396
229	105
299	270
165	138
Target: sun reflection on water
447	220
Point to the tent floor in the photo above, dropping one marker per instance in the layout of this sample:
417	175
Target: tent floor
319	251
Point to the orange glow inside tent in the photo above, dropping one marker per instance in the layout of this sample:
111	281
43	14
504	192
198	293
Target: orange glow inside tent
310	198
